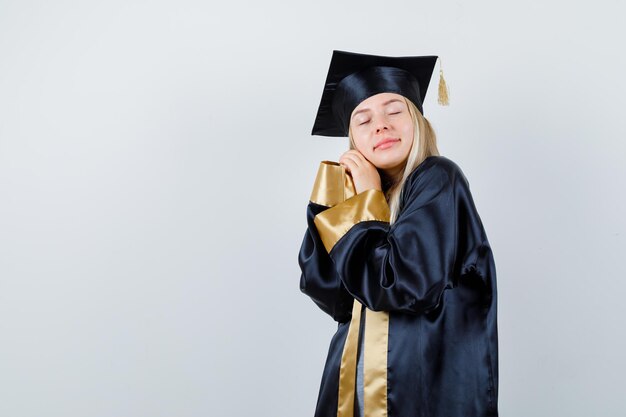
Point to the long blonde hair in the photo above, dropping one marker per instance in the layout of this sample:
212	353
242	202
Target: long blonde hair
424	145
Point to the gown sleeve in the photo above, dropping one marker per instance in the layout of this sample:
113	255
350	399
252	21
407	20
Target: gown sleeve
319	279
406	266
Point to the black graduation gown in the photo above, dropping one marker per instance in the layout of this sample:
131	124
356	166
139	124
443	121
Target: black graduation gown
432	271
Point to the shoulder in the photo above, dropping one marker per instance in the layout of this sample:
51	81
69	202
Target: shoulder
436	168
435	176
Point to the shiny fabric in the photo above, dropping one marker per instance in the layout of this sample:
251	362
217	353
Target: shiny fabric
360	85
433	271
358	412
335	222
353	77
375	348
332	185
364	378
347	369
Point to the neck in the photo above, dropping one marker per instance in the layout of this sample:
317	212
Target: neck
393	174
390	177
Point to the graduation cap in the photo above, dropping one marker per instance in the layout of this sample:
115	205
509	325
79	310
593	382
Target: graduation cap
354	77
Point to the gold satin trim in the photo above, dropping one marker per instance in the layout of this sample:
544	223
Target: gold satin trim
375	363
347	371
332	185
335	222
375	347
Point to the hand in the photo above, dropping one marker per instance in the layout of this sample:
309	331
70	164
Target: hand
364	174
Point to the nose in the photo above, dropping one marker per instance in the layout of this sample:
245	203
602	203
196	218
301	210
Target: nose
381	124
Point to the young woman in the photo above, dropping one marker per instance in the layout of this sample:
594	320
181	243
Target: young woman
396	253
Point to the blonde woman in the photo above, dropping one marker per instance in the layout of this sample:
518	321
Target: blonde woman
396	253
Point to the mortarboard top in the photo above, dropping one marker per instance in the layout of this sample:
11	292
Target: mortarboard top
353	77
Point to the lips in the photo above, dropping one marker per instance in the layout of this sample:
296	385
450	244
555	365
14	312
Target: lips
384	141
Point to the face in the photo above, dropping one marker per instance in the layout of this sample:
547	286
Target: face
382	130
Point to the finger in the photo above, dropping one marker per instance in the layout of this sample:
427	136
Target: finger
354	153
363	161
343	159
351	157
350	166
359	157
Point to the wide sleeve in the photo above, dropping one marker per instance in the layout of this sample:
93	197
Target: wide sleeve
405	266
319	279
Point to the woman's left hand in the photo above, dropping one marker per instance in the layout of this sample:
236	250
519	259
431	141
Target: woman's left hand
364	174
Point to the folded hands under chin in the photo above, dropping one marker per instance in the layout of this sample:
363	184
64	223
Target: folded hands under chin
364	174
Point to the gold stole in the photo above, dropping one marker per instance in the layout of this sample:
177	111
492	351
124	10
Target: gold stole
334	188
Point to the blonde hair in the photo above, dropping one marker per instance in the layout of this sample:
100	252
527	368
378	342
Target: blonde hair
424	145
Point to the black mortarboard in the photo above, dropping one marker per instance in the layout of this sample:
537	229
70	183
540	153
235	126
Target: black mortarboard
354	77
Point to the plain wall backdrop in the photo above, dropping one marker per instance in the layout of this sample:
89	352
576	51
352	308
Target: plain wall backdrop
156	163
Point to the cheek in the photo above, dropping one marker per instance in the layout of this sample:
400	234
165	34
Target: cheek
359	140
408	130
363	147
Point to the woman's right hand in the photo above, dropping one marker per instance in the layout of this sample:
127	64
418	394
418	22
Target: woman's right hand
364	174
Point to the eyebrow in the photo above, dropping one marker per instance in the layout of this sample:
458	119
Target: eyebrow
384	104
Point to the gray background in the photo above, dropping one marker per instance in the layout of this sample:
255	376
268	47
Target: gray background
156	162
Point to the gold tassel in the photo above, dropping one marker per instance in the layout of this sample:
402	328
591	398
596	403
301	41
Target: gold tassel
443	88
